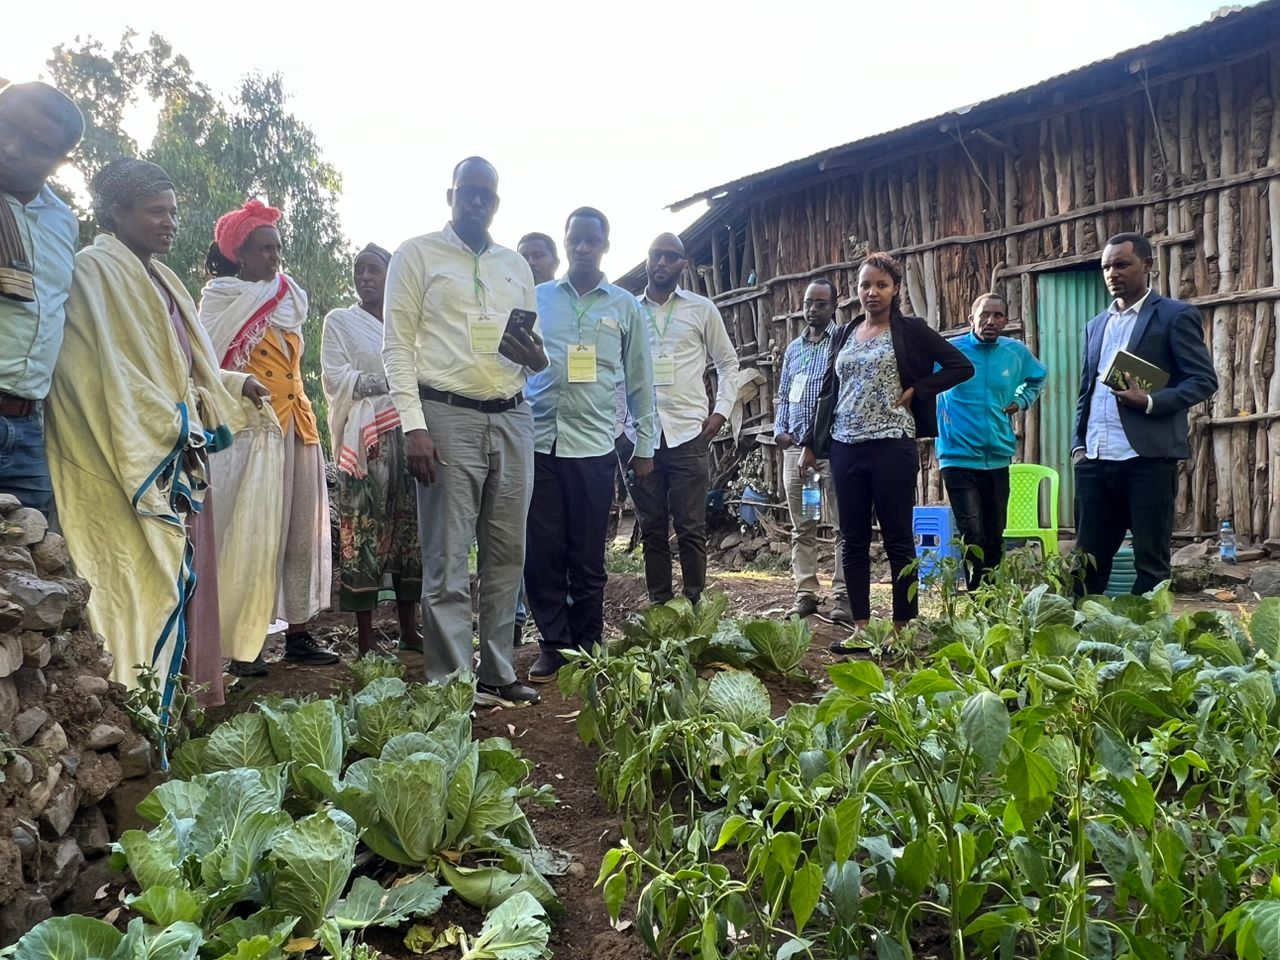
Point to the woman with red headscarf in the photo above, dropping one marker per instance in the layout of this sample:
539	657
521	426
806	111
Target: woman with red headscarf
254	313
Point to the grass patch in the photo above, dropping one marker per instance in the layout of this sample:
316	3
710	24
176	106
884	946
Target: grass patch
618	560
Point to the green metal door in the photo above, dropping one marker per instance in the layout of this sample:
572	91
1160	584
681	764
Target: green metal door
1066	300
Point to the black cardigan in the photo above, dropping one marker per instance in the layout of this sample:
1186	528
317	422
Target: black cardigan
918	348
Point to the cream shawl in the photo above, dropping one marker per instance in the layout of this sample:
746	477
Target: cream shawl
351	346
123	410
237	313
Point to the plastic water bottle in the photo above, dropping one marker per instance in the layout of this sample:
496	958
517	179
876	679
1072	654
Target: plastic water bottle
811	497
1227	543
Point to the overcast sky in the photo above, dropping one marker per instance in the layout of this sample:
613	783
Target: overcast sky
625	107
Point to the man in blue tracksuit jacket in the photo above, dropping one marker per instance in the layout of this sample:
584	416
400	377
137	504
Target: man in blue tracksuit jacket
975	433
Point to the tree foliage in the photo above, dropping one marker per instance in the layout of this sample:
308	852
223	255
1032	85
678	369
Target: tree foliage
219	153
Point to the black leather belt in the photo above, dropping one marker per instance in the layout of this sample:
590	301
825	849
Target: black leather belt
11	406
457	400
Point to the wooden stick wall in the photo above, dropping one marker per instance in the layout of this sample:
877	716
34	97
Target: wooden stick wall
1192	159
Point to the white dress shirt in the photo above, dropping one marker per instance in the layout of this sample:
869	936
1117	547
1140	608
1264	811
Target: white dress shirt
437	287
688	329
1105	438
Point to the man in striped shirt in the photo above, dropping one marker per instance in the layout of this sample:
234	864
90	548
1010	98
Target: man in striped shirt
803	367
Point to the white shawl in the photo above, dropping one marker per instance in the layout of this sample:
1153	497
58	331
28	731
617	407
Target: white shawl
229	304
351	346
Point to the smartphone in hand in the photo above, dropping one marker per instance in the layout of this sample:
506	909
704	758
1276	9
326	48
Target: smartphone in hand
518	321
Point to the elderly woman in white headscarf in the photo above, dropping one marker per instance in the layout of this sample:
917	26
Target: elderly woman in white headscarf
377	505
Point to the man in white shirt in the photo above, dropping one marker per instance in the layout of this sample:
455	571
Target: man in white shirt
457	373
684	330
1128	442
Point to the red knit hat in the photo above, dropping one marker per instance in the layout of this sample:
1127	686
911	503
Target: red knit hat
233	229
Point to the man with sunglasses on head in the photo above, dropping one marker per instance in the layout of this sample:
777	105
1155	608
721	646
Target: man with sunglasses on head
683	329
457	370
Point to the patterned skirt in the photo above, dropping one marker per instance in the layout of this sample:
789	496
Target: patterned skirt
378	529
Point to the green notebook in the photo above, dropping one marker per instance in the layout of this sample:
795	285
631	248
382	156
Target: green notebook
1145	375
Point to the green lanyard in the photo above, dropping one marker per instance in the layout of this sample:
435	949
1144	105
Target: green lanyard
475	276
579	314
666	322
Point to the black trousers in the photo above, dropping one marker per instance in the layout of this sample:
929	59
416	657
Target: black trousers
980	502
564	573
879	474
1113	496
676	491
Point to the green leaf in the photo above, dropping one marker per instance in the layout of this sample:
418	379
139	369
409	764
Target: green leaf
856	677
369	905
1111	849
985	724
927	682
486	887
915	866
234	796
709	942
1114	752
1031	779
412	798
793	947
784	850
166	905
844	881
780	647
178	941
806	889
313	861
260	936
1041	609
1264	627
317	736
180	798
69	938
242	741
615	893
380	714
153	858
515	930
1139	800
739	697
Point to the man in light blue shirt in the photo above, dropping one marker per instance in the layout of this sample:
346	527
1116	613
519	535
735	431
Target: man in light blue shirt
38	232
595	339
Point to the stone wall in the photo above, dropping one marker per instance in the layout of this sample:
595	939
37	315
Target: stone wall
65	741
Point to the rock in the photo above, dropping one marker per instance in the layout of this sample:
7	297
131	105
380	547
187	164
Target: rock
730	541
60	811
70	762
51	554
52	740
1265	581
17	558
31	526
21	914
27	724
11	614
8	503
77	599
10	654
104	664
33	686
91	832
88	686
42	792
60	866
135	758
1191	553
44	601
9	702
19	770
104	736
98	775
36	649
27	842
1228	575
92	708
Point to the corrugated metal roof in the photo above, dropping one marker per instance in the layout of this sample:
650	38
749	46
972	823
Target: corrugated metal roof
1227	17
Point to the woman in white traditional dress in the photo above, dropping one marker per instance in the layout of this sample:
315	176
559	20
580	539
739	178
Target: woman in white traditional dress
138	403
255	318
377	502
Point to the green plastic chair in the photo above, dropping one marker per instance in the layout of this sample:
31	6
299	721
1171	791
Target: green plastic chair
1023	520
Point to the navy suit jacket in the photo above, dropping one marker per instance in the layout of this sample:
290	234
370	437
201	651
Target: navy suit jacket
1168	333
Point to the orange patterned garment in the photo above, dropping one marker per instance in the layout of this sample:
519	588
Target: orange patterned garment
280	369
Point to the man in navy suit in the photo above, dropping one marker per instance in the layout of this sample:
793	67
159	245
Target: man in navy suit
1127	443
